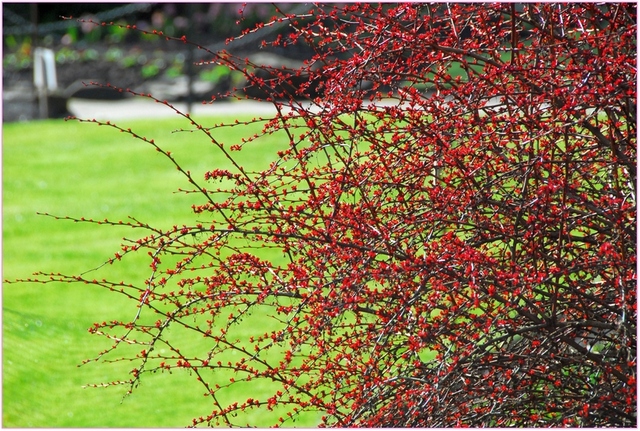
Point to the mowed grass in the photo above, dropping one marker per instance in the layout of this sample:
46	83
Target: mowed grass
85	170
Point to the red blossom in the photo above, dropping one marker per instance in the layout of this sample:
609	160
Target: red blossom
454	218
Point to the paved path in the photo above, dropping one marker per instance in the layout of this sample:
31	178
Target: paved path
141	108
138	108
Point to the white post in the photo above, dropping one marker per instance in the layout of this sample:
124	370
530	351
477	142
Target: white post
44	77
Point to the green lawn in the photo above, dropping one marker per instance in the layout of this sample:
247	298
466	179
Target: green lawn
85	170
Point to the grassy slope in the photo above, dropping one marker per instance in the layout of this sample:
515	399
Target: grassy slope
68	168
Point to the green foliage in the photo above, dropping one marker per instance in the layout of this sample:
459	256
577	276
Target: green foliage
73	34
90	55
113	54
216	74
150	70
67	55
18	55
116	34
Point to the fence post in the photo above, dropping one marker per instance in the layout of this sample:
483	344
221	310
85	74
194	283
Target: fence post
44	77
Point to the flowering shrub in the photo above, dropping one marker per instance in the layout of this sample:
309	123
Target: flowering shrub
452	220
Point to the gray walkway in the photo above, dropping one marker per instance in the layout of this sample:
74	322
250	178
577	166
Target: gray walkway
138	108
141	108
